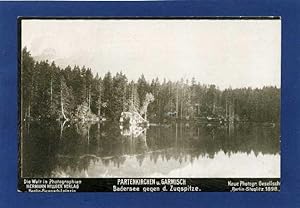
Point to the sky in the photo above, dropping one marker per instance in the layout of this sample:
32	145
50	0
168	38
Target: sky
228	53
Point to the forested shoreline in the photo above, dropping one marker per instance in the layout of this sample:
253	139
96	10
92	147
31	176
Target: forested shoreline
75	93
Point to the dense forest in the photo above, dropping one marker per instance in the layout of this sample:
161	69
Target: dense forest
75	93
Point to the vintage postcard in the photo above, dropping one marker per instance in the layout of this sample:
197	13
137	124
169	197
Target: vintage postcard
149	104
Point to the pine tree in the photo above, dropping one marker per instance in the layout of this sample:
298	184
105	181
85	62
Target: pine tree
142	88
118	95
27	76
107	92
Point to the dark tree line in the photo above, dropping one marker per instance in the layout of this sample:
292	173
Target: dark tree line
51	92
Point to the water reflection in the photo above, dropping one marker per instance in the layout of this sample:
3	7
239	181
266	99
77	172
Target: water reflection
169	150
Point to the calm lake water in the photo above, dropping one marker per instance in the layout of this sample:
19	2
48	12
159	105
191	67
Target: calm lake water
169	150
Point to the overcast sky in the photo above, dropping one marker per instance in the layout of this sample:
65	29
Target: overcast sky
236	53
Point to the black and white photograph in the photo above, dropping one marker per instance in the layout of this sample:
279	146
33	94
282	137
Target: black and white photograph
192	98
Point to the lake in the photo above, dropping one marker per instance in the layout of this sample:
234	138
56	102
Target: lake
185	149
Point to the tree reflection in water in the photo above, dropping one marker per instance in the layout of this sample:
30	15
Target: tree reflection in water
71	149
